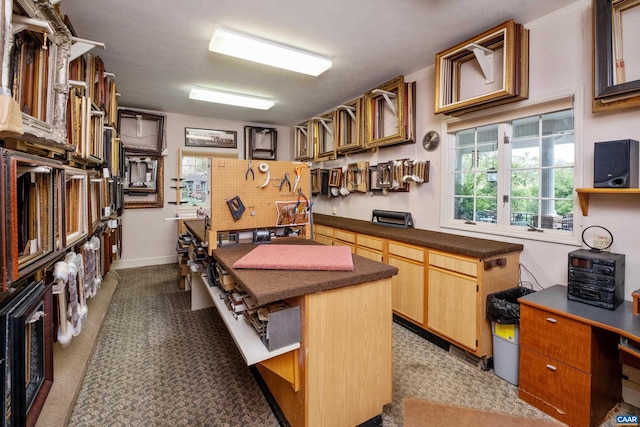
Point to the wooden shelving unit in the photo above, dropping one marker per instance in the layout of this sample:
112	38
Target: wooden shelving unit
584	193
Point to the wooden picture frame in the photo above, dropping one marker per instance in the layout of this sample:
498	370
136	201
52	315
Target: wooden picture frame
76	205
349	127
212	138
385	114
302	142
151	193
616	75
489	69
315	181
260	143
323	137
141	132
335	176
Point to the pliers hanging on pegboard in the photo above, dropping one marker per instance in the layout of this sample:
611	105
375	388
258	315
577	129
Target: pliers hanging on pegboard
249	170
284	181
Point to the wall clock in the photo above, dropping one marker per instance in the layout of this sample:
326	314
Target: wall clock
431	140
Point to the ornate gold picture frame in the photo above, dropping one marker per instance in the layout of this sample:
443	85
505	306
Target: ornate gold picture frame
489	69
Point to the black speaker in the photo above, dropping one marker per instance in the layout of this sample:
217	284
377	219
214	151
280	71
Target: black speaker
615	164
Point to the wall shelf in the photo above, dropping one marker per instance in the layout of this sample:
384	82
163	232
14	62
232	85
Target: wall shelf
584	193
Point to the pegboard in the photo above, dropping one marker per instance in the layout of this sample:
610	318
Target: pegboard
258	196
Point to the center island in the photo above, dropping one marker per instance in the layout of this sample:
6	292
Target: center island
341	372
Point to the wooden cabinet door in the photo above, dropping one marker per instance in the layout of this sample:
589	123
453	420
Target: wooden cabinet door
408	289
452	307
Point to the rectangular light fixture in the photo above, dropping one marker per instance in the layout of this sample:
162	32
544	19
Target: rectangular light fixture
230	98
251	48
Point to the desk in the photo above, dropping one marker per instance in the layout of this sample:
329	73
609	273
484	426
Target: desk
569	355
342	373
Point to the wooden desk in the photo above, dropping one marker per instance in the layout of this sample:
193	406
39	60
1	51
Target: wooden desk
569	355
341	374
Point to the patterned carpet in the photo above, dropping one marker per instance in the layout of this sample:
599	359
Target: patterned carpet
157	363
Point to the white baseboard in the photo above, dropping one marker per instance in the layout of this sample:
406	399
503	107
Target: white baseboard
144	262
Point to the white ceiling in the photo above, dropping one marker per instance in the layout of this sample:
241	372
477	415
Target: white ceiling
158	49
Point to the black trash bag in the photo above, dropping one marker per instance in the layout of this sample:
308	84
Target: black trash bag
503	306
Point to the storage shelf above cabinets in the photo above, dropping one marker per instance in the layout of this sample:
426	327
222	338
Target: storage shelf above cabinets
584	193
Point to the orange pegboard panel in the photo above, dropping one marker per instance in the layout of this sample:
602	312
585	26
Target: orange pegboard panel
258	196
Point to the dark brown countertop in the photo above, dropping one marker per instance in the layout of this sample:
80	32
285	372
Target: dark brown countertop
196	227
554	298
463	245
267	286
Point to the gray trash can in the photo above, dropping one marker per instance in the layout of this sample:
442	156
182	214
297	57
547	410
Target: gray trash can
503	310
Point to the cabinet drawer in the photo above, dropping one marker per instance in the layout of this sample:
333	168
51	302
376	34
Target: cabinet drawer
410	252
321	229
458	264
323	239
345	236
558	389
369	242
367	253
555	336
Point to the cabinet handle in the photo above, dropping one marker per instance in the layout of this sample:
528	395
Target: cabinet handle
551	367
551	320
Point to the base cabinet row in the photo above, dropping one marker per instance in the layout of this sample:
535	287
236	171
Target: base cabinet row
441	292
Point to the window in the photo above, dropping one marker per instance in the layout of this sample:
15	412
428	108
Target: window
513	174
194	180
193	189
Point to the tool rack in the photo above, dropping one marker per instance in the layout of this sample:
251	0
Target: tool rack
241	204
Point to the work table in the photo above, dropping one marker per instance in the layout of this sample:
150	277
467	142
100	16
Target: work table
470	246
267	286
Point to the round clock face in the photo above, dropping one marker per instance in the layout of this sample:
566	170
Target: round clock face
431	140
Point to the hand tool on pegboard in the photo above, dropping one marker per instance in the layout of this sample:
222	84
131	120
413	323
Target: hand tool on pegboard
236	207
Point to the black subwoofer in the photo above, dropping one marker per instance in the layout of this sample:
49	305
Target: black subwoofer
615	164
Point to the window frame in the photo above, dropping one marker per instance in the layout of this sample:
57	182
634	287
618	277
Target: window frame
185	209
501	116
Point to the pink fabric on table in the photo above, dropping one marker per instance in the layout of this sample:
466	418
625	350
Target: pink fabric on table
298	257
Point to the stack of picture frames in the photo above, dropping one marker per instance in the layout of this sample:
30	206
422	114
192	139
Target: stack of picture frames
361	177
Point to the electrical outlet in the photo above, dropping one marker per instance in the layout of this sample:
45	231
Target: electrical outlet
602	243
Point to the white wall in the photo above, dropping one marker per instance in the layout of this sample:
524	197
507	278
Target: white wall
149	238
560	61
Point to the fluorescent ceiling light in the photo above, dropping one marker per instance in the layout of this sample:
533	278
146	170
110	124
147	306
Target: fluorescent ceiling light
229	98
266	52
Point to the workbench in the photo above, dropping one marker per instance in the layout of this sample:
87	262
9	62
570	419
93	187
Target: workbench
340	374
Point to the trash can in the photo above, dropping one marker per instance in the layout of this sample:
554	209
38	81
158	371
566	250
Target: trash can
503	310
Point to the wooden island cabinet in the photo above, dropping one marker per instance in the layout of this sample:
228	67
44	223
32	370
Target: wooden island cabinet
443	279
340	373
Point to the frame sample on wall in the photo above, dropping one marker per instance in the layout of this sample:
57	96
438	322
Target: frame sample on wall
302	142
616	59
76	209
260	143
143	185
31	213
194	137
489	69
349	127
141	132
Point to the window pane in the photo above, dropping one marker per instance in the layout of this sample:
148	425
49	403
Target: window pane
525	183
195	181
542	164
476	152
